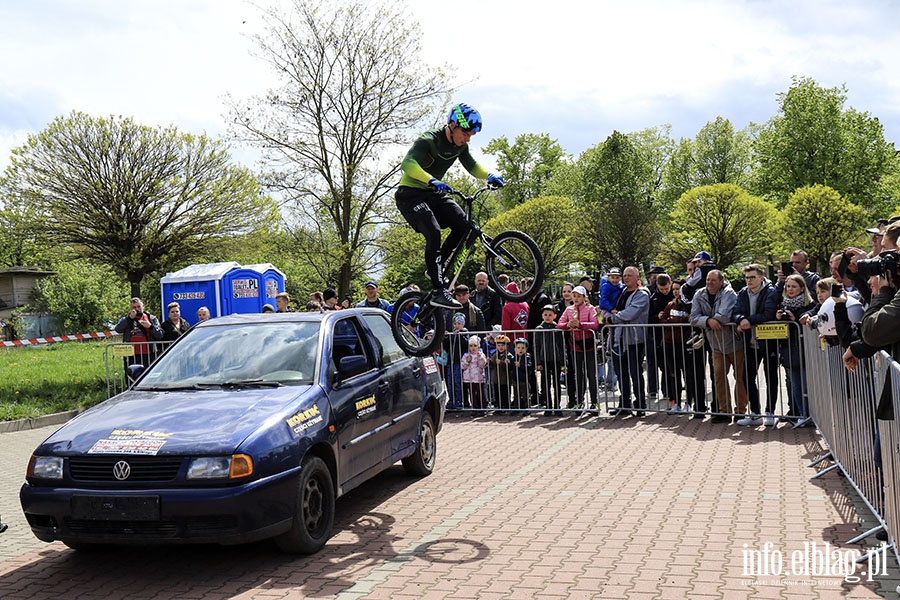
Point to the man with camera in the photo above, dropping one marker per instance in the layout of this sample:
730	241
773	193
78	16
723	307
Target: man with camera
880	326
139	327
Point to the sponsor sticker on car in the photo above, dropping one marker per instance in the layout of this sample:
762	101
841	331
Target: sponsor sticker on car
130	441
303	420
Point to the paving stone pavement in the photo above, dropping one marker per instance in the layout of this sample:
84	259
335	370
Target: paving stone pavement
534	507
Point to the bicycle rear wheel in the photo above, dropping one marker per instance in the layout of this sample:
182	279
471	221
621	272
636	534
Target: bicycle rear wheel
417	326
516	255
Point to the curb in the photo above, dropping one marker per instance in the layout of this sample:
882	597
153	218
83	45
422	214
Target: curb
37	422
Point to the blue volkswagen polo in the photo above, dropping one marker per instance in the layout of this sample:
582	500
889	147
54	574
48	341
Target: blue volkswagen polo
248	427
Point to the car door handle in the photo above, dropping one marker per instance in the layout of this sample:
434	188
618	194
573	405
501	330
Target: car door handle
416	371
384	385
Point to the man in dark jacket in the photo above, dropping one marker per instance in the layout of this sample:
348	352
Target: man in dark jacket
488	300
139	328
756	304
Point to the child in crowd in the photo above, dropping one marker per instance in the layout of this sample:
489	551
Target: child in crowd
524	379
501	359
456	343
473	364
550	360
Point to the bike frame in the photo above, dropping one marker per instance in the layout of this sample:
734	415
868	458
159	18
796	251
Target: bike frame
463	250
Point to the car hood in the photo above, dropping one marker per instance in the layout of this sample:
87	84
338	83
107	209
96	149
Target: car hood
210	422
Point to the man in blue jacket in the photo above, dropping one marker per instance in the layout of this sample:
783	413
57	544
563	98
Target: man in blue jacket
756	304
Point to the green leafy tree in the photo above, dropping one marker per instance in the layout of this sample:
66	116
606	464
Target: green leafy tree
814	140
618	214
85	296
21	243
352	87
724	219
718	154
527	165
819	220
136	198
550	222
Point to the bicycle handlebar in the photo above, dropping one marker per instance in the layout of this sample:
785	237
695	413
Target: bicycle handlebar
473	197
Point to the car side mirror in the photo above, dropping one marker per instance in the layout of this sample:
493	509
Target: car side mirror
132	372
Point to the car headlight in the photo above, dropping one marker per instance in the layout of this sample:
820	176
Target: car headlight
46	467
220	467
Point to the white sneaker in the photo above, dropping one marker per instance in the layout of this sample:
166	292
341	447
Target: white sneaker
769	421
750	420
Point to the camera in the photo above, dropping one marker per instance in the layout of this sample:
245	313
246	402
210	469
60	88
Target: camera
138	314
886	262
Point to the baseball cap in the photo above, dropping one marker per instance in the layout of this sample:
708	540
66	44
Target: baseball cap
703	255
579	289
585	278
371	283
656	270
615	271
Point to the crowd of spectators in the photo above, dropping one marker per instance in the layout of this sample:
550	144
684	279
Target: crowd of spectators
669	339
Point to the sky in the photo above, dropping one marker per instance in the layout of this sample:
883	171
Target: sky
574	69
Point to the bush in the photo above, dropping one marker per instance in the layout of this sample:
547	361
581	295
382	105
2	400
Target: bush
85	296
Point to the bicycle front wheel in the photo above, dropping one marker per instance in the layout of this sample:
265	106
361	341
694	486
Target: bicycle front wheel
516	255
417	326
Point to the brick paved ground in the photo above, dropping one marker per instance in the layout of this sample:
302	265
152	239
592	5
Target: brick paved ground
536	507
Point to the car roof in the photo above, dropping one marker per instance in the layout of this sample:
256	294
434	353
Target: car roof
289	317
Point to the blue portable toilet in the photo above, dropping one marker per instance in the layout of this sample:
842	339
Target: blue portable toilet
243	291
196	286
273	280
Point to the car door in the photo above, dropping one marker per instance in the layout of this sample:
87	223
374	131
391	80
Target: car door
403	376
362	413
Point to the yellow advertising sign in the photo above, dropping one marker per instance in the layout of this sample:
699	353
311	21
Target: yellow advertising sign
122	350
772	331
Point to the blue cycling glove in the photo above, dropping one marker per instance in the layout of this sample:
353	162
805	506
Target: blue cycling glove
439	186
495	180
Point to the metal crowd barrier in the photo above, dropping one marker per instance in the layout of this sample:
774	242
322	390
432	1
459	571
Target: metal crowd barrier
118	356
890	455
843	406
673	371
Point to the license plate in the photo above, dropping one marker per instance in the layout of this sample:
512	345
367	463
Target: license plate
116	508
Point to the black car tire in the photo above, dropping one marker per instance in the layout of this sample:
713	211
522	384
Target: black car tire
314	513
421	462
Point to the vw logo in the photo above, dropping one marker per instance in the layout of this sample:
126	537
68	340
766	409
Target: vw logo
121	470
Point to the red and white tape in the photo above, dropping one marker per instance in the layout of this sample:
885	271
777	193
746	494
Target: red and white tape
60	338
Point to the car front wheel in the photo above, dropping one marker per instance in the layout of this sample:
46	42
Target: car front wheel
314	513
421	462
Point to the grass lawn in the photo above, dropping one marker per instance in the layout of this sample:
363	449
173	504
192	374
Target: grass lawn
41	380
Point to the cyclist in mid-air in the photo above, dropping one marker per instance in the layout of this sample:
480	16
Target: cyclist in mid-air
421	195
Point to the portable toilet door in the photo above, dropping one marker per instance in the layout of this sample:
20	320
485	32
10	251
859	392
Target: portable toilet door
273	280
196	286
243	291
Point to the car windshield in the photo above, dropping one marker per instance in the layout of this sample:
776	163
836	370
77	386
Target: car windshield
248	354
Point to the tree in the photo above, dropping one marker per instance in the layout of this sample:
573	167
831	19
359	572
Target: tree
20	233
813	140
548	221
718	154
135	198
85	296
618	213
527	165
723	219
819	220
353	86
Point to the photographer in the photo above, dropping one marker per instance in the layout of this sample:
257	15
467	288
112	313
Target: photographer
139	327
881	322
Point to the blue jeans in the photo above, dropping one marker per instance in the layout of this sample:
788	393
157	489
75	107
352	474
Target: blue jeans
792	360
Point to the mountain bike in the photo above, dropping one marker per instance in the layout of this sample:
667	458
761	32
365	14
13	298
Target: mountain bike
419	327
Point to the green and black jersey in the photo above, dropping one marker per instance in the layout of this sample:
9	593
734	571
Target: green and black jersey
432	155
